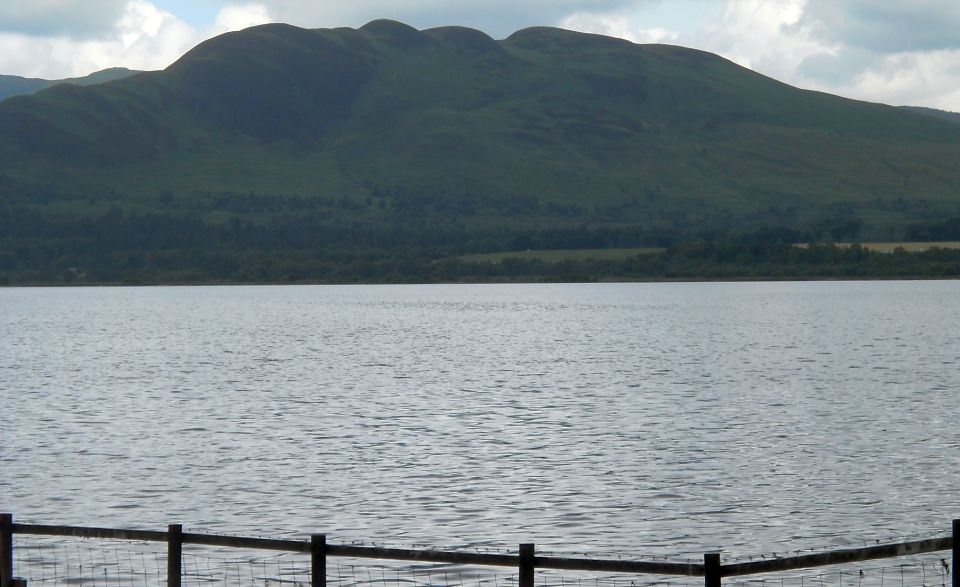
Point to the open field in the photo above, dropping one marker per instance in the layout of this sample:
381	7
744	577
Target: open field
618	254
910	247
562	255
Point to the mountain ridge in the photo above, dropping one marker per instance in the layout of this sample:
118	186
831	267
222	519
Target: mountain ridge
452	142
934	112
15	85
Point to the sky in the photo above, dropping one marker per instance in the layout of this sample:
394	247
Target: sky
892	51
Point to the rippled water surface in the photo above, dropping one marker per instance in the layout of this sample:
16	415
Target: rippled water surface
633	418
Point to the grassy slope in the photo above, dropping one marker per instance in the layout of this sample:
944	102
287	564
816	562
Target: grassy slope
941	114
555	115
578	117
13	85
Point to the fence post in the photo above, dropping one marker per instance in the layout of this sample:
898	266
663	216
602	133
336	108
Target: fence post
956	552
174	554
711	569
318	560
6	549
526	564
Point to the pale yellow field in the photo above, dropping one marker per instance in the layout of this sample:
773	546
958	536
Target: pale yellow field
554	256
909	247
560	255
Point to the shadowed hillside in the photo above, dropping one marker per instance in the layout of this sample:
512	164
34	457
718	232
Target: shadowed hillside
14	85
942	114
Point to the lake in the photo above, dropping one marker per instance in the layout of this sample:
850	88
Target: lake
639	419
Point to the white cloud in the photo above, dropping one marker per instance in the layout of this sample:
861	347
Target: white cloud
763	35
834	46
143	26
141	37
617	25
918	78
235	17
498	18
890	26
70	18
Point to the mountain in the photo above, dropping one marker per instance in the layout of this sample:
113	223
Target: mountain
371	141
13	85
942	114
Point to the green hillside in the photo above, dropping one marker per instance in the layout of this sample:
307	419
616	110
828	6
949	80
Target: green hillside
386	142
14	85
942	114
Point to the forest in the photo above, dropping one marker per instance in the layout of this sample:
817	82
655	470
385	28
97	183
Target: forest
314	246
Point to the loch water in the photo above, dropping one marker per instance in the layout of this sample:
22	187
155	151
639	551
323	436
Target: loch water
631	418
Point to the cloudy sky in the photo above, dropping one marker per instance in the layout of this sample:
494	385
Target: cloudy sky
891	51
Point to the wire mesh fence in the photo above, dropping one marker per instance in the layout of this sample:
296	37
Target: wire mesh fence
60	560
210	567
916	571
54	561
837	543
365	575
102	563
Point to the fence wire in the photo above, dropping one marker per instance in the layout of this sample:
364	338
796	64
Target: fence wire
838	543
89	562
76	561
213	567
365	575
105	563
916	571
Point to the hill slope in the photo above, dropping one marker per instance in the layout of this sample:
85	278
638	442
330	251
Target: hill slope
942	114
14	85
449	141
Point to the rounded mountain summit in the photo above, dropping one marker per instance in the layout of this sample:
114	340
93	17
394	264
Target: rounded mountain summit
570	120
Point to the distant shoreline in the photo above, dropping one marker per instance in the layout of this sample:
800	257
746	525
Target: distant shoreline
721	260
518	281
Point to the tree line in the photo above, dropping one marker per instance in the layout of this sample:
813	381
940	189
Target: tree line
120	246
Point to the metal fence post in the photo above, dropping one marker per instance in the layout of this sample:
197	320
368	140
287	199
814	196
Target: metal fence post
174	555
956	552
526	564
711	569
318	560
6	549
